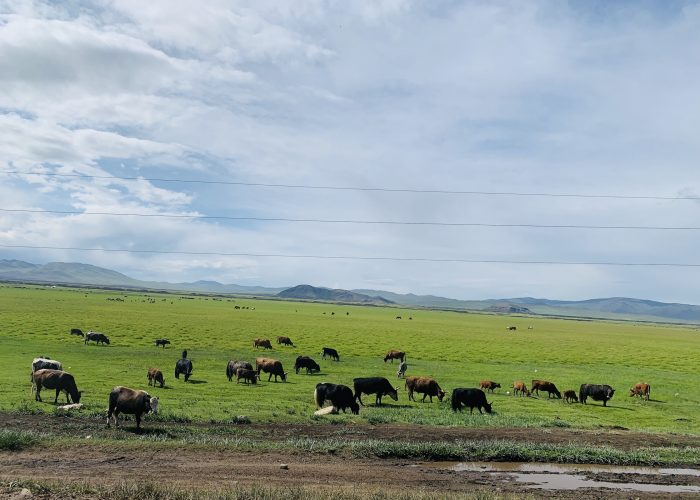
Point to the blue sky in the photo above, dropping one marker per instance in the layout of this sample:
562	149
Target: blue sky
542	96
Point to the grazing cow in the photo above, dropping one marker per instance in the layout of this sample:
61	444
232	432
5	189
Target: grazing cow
56	379
424	385
520	387
642	389
489	385
77	331
570	396
332	353
471	398
183	366
394	354
233	366
97	337
248	376
155	376
375	385
548	387
272	367
41	363
306	362
130	401
236	307
597	392
264	343
398	317
401	372
162	342
285	341
512	328
340	396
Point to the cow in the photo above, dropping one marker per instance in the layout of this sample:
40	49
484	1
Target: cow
77	331
97	337
332	353
394	354
424	385
471	398
548	387
41	363
520	387
597	392
570	396
512	328
184	366
248	376
233	366
374	385
155	376
272	367
340	396
56	379
264	343
306	362
642	389
489	385
398	317
130	401
401	372
285	341
162	342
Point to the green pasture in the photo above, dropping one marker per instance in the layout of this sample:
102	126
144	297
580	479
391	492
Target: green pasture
455	348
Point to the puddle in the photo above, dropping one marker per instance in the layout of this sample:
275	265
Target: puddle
574	482
560	468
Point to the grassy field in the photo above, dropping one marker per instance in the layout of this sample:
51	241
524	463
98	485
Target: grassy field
457	349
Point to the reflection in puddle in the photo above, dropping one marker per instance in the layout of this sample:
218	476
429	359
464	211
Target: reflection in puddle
560	468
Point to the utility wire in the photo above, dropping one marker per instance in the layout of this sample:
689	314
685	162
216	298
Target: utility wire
352	221
363	258
351	188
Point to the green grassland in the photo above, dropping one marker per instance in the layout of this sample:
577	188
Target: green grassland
457	349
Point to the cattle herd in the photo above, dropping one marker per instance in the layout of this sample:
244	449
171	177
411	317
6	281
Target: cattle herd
48	374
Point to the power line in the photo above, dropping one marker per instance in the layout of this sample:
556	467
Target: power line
355	188
362	258
351	221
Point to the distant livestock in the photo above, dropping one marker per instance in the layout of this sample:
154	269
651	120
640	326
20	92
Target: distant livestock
570	396
183	366
77	331
271	367
340	396
155	376
375	385
97	337
285	341
642	389
423	385
58	380
597	392
163	342
306	362
512	328
471	398
489	385
132	402
264	343
233	366
548	387
394	354
519	388
398	317
331	353
248	376
401	372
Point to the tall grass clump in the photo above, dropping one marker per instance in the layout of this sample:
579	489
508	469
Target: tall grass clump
15	440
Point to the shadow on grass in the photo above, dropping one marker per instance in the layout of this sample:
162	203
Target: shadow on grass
196	382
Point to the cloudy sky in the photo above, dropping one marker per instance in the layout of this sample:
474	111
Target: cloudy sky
581	97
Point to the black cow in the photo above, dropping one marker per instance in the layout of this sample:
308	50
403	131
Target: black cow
375	385
471	398
340	396
596	392
183	366
233	367
162	342
332	353
306	362
77	331
96	337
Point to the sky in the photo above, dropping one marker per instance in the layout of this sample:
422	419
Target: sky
120	105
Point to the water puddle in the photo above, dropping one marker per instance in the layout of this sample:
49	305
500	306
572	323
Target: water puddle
574	482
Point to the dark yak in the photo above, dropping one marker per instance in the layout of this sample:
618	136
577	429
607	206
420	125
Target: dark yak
233	366
570	396
340	396
130	401
77	331
41	363
306	362
162	342
264	343
471	398
183	366
285	341
332	353
97	337
597	392
56	379
374	385
248	376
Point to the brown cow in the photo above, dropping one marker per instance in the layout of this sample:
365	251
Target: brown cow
548	387
265	343
642	389
570	396
56	379
155	375
520	387
423	385
131	401
285	341
271	366
489	385
394	354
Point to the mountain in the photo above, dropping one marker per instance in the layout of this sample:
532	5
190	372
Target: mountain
308	292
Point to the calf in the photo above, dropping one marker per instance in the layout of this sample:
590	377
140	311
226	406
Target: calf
489	385
423	385
642	389
272	367
306	362
520	387
570	396
597	392
162	342
248	376
374	385
155	376
471	398
401	372
340	396
130	401
394	354
264	343
332	353
97	337
285	341
56	379
77	331
233	367
548	387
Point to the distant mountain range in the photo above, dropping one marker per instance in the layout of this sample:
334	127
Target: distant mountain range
612	308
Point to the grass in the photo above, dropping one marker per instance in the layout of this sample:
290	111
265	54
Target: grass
15	440
457	349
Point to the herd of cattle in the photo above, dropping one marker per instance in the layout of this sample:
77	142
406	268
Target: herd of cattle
49	374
